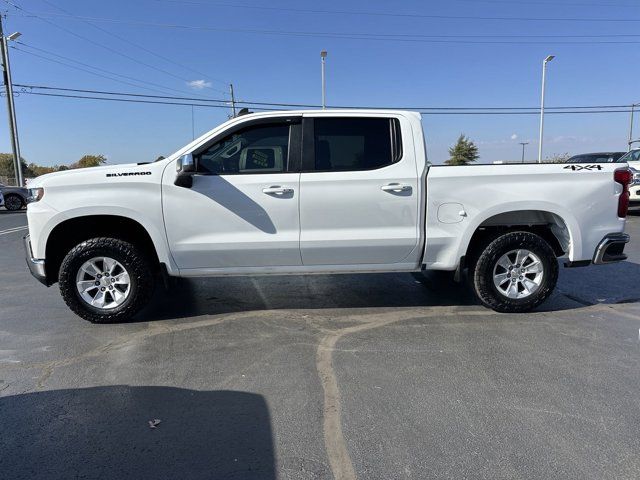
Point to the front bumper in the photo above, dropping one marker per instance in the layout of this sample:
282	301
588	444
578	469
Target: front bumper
36	265
611	248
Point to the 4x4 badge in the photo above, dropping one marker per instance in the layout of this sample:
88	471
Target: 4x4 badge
576	168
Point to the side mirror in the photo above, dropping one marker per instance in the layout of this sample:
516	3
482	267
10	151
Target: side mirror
186	167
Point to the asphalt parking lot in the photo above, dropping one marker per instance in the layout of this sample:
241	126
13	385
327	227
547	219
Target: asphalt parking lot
370	377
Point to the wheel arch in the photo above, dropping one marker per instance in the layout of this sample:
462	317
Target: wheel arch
70	232
559	229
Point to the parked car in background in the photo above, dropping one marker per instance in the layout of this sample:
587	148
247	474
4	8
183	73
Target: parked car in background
602	157
632	158
634	188
15	198
1	200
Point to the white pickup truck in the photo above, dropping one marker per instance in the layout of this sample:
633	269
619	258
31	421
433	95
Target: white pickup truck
309	192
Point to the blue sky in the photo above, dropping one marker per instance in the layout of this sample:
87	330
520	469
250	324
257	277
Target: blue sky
286	68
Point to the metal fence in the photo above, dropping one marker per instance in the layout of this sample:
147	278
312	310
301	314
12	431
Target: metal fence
10	181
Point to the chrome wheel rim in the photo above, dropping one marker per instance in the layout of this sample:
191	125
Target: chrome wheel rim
103	283
518	274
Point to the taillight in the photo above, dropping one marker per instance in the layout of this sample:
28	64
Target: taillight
623	176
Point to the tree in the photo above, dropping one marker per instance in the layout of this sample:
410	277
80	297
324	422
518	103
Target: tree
6	166
38	170
463	152
89	161
557	158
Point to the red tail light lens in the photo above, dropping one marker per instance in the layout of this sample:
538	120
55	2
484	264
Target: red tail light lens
623	177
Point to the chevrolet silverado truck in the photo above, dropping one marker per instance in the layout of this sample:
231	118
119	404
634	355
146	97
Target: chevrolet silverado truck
319	192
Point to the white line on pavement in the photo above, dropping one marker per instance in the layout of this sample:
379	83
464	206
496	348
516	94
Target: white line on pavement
12	230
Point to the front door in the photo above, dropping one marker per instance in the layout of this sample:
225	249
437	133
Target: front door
359	196
242	211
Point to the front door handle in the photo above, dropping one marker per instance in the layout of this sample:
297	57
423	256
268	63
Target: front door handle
396	187
277	190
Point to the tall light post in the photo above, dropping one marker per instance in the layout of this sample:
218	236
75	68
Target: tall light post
544	75
13	125
633	106
323	56
523	145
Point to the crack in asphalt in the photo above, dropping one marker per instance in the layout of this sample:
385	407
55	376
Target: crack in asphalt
335	443
336	448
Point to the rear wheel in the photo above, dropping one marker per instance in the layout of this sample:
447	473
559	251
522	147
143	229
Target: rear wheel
516	272
13	202
106	280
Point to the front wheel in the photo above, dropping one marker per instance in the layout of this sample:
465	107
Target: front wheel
516	272
106	280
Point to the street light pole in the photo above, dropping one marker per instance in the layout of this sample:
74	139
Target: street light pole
323	56
13	125
523	144
633	106
544	75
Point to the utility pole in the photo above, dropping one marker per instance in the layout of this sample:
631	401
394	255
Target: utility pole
544	75
13	125
193	125
523	144
633	106
233	100
323	56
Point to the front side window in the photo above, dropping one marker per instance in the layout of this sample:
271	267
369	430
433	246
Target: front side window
343	144
257	149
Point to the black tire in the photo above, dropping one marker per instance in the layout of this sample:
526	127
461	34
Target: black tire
13	202
138	266
482	272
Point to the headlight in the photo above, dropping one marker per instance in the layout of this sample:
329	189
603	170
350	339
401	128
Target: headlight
35	194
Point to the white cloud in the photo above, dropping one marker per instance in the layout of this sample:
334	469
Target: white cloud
199	84
514	136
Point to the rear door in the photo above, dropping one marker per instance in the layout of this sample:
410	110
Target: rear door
359	198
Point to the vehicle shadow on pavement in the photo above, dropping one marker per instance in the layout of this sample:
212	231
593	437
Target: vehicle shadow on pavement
104	432
577	287
211	296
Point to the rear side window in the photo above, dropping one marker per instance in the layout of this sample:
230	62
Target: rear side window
342	144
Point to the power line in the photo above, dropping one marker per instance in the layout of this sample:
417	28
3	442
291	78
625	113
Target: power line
261	106
401	15
301	105
553	3
103	92
407	38
130	100
130	42
71	32
93	67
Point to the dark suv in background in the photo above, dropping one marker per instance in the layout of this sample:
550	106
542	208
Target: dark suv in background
15	198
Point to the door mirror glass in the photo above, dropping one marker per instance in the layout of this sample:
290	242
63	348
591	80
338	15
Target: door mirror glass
186	164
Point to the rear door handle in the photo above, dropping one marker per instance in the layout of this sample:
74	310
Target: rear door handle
396	187
277	190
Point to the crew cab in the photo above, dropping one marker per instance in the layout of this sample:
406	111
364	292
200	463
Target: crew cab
319	192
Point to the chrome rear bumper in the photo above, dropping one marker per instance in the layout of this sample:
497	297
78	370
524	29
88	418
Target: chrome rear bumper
611	248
